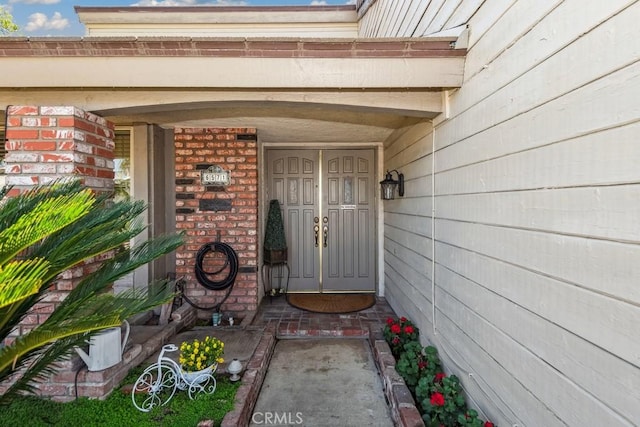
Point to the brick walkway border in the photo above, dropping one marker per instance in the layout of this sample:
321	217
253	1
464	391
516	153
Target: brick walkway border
401	403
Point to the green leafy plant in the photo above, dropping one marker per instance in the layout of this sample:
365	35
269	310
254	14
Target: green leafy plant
431	375
7	25
411	364
197	355
440	397
399	332
470	419
444	404
274	237
274	249
418	365
433	366
46	231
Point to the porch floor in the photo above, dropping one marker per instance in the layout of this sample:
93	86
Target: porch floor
276	315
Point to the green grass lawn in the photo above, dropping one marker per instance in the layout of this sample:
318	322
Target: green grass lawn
118	410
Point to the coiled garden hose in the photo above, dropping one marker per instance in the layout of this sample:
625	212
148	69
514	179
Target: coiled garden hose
231	262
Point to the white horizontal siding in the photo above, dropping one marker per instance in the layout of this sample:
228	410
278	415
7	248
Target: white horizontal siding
539	396
407	225
486	18
411	20
537	207
405	10
429	15
492	289
607	157
415	18
574	72
534	258
581	212
493	30
544	38
463	13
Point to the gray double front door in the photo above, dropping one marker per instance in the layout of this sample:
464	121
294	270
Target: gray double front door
328	206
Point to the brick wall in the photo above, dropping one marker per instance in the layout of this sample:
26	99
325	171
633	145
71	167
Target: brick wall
204	212
49	142
45	143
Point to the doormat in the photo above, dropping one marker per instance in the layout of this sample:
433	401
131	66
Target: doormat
331	303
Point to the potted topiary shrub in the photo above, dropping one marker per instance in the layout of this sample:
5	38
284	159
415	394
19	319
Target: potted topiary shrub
275	243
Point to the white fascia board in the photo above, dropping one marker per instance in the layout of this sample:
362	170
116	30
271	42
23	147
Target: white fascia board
90	17
246	72
331	30
410	103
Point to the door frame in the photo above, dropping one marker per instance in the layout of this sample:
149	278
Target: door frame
263	204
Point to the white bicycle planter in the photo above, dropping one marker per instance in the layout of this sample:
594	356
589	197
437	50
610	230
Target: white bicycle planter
159	382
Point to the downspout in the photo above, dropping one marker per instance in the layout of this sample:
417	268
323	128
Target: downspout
433	227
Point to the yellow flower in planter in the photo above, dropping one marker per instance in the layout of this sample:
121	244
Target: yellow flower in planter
197	355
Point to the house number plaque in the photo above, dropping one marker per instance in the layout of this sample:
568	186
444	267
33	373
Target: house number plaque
215	175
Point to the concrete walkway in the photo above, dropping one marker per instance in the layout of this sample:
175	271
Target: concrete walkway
309	369
322	382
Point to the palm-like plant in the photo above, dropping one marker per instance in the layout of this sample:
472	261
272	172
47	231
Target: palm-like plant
48	230
7	26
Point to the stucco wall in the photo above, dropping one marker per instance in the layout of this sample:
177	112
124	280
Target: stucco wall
537	216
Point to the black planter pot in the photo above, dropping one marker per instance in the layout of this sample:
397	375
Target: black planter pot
274	256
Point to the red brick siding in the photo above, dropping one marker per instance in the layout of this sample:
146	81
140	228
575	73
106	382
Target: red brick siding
49	142
235	150
45	143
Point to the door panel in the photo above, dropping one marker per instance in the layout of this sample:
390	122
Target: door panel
349	204
292	179
333	190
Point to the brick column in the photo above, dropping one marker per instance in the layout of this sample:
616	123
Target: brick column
232	211
49	142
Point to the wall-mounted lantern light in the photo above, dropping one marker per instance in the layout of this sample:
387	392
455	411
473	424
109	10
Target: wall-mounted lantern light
388	186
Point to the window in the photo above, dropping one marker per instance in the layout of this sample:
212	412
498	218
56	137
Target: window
122	163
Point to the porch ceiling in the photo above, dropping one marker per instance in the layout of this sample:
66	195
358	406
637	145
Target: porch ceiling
276	121
279	116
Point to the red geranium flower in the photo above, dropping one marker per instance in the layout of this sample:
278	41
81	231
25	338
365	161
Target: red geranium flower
488	424
439	377
403	319
395	340
422	364
437	399
390	321
408	329
395	329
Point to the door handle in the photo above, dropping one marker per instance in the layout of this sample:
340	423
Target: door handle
316	231
325	235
